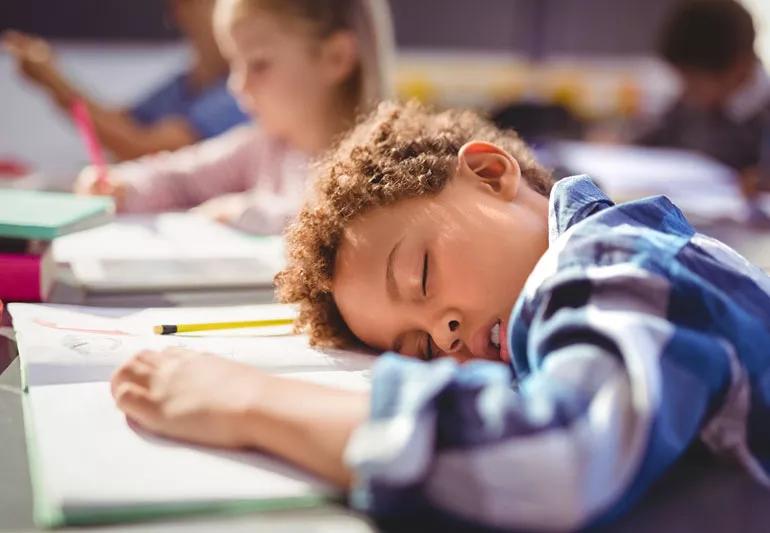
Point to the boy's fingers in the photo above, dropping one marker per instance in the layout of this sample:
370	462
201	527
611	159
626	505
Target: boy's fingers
135	371
151	358
136	403
124	373
148	357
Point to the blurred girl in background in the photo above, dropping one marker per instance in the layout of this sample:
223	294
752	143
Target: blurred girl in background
303	69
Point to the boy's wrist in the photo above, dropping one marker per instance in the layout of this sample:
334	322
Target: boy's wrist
249	418
304	423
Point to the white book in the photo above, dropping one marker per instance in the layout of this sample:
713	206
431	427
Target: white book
90	466
168	252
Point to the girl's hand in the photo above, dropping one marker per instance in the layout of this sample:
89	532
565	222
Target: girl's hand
33	57
88	183
188	395
226	209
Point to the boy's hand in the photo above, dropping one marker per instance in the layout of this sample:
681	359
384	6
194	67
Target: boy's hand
33	57
226	209
209	400
188	395
88	183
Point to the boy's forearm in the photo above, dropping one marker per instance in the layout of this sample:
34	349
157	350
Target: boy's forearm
305	423
61	90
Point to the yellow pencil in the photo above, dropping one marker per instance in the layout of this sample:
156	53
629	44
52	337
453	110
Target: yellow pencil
170	329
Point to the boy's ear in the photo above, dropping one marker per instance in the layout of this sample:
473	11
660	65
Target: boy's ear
492	166
340	55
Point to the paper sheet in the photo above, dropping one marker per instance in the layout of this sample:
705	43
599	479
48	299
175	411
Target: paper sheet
71	344
91	458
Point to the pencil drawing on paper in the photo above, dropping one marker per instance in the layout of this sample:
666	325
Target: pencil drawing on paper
91	345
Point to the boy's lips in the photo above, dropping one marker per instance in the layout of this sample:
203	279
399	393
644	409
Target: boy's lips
481	346
505	350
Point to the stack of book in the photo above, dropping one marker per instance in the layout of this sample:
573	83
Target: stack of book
29	221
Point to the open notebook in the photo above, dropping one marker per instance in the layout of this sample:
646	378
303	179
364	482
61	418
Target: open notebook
89	466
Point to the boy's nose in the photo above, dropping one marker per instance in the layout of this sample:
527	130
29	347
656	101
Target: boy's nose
447	334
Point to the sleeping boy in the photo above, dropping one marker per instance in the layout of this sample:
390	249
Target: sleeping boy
550	354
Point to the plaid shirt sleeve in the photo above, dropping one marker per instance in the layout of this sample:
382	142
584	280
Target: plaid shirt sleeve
611	393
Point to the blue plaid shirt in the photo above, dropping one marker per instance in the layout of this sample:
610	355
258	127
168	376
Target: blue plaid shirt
634	337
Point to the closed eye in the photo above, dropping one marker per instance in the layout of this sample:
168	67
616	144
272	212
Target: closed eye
425	275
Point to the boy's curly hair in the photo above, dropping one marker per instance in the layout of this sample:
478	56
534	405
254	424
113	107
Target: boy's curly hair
399	151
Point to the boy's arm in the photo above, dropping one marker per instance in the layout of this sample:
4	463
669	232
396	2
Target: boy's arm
307	424
211	400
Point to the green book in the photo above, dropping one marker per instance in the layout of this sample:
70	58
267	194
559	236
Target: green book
36	215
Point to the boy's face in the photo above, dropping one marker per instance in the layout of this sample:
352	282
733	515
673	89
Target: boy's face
439	275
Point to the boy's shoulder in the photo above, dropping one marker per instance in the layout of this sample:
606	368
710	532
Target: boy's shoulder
642	252
580	214
594	242
638	266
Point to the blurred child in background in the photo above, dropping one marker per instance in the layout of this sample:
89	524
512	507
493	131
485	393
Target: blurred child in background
304	69
724	107
191	106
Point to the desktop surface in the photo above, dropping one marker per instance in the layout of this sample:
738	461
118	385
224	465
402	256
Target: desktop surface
696	495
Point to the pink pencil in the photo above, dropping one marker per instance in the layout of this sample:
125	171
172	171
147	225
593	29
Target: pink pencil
85	125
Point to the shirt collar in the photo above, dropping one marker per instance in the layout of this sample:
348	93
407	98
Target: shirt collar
573	199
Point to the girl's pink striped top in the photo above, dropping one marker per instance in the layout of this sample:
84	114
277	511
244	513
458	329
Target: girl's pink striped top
242	160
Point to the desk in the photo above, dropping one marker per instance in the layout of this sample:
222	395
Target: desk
693	496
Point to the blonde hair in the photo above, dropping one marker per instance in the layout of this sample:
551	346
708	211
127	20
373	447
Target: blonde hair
400	151
368	20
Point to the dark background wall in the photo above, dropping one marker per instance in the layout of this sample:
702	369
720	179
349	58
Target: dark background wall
88	19
534	27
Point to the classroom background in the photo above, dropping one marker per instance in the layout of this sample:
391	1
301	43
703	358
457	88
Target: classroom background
577	78
594	58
